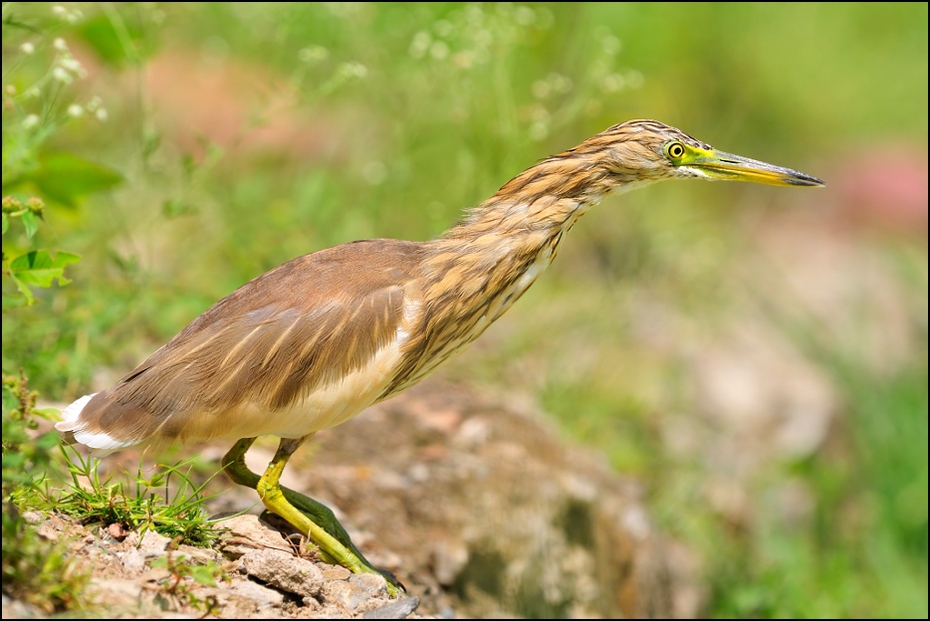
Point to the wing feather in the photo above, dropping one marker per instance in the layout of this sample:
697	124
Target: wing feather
270	343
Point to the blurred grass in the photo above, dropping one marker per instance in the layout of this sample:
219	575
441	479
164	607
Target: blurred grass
405	114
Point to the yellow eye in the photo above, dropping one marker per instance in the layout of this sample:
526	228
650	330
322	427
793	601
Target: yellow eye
675	150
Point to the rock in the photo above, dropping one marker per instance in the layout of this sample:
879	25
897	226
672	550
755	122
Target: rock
33	517
116	593
153	544
15	609
482	512
336	572
398	609
133	560
348	595
284	571
248	594
375	585
117	531
51	528
509	520
245	533
449	559
196	556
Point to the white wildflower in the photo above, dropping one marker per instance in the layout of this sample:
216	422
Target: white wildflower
539	130
30	121
313	54
474	14
420	44
76	111
102	115
439	50
541	89
464	60
612	82
611	44
61	74
524	15
484	37
560	83
444	28
27	48
73	65
60	44
539	113
354	69
544	18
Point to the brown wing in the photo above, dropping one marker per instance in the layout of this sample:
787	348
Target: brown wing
276	338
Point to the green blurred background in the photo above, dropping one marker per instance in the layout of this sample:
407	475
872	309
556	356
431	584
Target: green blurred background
757	357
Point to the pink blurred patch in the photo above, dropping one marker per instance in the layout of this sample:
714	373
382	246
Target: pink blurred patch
196	102
885	188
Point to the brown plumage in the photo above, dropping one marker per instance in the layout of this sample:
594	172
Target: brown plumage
313	342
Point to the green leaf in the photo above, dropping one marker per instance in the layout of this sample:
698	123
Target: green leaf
40	269
30	223
66	177
47	413
172	208
15	301
6	224
203	575
25	298
47	441
13	461
118	38
103	38
10	402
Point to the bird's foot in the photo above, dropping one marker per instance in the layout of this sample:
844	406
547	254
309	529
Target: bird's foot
348	556
311	518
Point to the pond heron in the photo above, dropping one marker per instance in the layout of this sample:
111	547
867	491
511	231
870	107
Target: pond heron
312	343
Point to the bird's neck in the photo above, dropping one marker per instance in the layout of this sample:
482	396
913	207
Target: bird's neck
482	265
473	273
508	239
546	198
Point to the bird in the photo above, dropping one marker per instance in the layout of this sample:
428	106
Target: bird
315	341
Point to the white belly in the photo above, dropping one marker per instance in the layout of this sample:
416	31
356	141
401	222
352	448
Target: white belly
324	407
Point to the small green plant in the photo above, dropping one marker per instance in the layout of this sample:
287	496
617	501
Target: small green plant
178	588
36	268
39	71
35	571
22	454
149	503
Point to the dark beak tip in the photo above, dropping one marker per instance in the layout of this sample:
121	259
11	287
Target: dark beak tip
815	182
805	181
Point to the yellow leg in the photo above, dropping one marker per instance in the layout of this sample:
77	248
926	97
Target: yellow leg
310	517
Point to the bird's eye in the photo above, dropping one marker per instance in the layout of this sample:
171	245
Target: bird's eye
675	150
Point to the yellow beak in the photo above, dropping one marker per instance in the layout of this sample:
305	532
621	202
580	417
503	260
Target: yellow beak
722	165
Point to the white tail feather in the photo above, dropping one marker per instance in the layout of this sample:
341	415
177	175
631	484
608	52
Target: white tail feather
96	444
71	414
